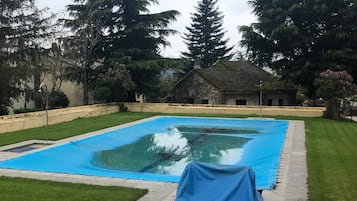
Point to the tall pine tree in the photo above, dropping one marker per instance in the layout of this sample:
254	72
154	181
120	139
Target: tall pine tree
134	40
205	36
120	35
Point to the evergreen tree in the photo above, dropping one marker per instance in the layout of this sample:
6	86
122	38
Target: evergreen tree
22	30
117	36
82	49
300	39
134	40
205	35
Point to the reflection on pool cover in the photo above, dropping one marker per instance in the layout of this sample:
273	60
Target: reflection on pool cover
158	149
169	153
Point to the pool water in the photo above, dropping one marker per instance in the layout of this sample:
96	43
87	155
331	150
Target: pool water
160	148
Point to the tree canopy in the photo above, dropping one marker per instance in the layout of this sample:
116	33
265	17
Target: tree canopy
204	39
22	30
333	86
118	36
134	41
87	22
300	39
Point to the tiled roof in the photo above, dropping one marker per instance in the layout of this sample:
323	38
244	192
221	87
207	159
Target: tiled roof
233	76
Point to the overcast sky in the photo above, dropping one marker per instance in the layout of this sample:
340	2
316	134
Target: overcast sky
236	13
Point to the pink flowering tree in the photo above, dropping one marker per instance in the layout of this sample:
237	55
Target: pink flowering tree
333	86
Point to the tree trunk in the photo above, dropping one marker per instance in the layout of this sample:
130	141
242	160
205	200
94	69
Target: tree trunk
85	88
333	110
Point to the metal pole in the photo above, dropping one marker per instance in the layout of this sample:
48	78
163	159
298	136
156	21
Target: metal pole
260	97
42	85
46	115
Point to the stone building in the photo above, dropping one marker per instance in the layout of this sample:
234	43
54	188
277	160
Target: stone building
230	83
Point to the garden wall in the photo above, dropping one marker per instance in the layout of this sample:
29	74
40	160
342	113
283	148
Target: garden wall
16	122
226	109
37	119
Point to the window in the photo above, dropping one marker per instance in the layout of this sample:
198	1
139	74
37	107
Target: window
270	102
281	102
241	102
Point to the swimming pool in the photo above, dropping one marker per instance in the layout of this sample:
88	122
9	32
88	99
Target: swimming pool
159	149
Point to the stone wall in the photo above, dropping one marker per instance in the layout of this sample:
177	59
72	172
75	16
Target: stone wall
37	119
16	122
225	109
195	90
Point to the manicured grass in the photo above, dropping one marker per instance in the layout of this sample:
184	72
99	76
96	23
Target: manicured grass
331	159
72	128
331	150
15	189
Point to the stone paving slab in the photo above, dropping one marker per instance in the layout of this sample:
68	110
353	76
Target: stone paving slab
291	181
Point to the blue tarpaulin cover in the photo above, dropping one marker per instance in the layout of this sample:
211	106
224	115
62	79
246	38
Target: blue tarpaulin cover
211	182
254	143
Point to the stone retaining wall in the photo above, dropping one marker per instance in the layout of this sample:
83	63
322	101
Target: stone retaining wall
16	122
37	119
226	109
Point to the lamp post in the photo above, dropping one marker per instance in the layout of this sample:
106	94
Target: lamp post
43	89
260	98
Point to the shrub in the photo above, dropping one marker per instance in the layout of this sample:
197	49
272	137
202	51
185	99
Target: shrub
26	110
58	99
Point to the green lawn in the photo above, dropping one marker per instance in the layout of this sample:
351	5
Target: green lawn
16	189
72	128
331	152
332	159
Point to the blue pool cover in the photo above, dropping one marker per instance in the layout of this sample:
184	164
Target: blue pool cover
261	151
212	182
